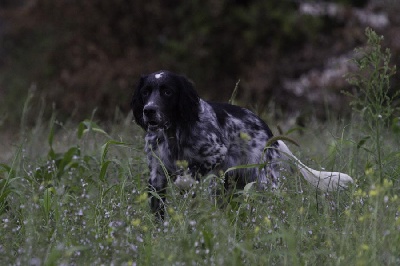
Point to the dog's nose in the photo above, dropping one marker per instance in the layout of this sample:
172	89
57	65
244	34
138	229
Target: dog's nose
149	111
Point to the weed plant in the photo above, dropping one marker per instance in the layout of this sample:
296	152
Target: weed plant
76	195
373	98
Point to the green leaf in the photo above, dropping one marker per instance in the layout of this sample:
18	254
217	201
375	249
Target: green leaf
155	194
106	146
276	138
208	239
5	190
245	166
52	155
103	170
248	186
50	138
81	128
87	126
396	125
362	141
67	160
294	130
4	168
47	201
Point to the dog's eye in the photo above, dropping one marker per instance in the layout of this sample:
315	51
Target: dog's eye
167	92
146	92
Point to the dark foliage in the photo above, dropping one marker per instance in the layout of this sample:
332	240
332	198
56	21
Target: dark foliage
85	54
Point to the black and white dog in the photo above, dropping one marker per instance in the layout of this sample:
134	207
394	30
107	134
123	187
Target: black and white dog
210	138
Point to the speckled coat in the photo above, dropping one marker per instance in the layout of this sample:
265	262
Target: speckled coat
209	138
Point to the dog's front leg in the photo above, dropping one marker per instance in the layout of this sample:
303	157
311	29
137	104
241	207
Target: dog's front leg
157	193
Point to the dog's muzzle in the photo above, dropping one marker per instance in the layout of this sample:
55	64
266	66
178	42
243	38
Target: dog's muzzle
153	119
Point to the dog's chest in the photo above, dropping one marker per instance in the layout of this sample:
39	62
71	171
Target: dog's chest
161	150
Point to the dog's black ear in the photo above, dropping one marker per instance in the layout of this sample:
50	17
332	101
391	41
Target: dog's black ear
137	103
189	101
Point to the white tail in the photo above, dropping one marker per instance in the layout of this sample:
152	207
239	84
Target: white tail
322	180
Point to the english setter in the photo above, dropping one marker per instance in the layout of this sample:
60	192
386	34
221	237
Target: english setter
209	138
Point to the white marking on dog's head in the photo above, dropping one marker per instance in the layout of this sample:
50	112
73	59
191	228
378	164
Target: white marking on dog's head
151	103
159	75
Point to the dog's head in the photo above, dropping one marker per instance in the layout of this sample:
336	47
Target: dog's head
163	100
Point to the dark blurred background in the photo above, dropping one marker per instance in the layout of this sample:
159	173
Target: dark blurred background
75	56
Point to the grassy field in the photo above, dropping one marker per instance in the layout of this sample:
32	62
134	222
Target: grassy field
76	194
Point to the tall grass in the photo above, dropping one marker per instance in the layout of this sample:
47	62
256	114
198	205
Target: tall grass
77	195
374	98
